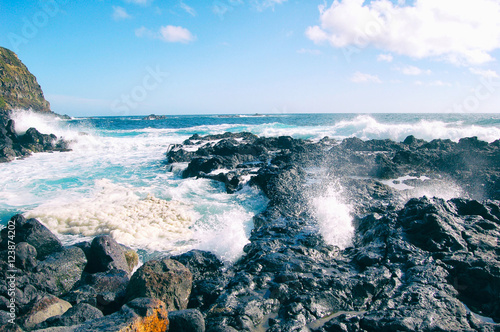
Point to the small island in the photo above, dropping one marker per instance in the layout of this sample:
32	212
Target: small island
154	117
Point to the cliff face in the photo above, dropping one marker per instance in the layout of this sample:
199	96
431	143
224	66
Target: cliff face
18	87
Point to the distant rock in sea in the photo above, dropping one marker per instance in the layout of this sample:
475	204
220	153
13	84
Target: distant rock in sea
154	117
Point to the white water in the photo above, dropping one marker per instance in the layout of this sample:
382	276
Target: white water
120	186
115	182
333	217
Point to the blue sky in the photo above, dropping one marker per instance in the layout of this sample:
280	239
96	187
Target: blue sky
134	57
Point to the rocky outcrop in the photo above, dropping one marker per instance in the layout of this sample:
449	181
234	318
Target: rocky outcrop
19	89
166	279
45	285
154	117
408	264
424	264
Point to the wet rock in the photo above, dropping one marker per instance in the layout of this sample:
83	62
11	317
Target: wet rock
36	141
208	277
166	280
47	307
75	315
106	254
25	256
138	315
60	271
189	320
34	233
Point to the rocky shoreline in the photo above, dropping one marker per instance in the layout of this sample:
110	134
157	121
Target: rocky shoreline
413	263
13	146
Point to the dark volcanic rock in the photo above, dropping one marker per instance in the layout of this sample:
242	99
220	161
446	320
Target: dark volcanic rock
76	315
416	264
60	271
142	314
189	320
208	277
166	280
25	256
34	233
106	254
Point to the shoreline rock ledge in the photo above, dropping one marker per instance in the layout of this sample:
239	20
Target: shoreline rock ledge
19	90
411	263
87	286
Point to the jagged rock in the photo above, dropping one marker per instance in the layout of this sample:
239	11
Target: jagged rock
75	315
34	233
413	264
25	256
208	278
106	254
47	307
138	315
166	280
189	320
60	271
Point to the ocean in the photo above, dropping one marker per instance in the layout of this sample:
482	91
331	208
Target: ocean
116	180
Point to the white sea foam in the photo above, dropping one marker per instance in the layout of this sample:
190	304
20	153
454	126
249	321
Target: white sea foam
333	217
367	127
44	123
445	189
117	210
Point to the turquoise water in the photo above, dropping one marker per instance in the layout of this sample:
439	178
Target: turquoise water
115	181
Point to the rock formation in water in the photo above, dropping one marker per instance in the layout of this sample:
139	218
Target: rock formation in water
403	264
20	91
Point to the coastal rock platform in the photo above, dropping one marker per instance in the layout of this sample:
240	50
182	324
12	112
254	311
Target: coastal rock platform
409	241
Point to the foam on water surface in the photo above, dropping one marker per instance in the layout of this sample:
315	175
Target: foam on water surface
119	211
115	181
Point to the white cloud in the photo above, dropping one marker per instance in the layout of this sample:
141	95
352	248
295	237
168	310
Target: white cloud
437	83
169	34
221	8
309	51
359	77
187	9
139	2
264	4
456	31
119	13
173	34
486	73
385	57
413	71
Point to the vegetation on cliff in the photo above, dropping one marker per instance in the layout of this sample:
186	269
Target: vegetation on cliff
18	87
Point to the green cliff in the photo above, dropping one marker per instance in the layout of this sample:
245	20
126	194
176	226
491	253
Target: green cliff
18	87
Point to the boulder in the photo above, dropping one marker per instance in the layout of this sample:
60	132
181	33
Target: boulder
60	271
208	277
36	234
189	320
201	264
48	306
25	256
106	254
166	280
75	315
139	315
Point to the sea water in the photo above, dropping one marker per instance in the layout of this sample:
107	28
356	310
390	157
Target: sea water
116	181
